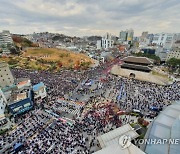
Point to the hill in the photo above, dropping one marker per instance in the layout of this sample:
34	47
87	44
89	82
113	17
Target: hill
22	42
49	59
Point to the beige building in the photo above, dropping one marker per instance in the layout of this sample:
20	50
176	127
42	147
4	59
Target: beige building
175	53
6	77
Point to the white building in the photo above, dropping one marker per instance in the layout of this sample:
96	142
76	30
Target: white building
118	141
106	42
161	53
3	103
166	40
99	44
39	91
6	77
5	40
174	53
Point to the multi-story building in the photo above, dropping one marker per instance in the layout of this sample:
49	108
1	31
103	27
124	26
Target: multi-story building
161	53
3	103
126	35
106	42
5	41
150	38
6	77
166	40
99	44
143	36
123	36
174	53
130	34
39	91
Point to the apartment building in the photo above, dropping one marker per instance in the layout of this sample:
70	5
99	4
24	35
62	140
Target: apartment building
106	42
166	40
174	53
5	41
123	36
126	35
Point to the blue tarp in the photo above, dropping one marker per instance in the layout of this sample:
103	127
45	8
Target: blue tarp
89	83
38	86
154	108
17	146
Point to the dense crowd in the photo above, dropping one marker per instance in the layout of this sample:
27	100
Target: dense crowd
43	133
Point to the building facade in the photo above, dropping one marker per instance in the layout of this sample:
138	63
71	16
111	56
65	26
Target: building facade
166	40
3	103
106	42
143	37
6	77
39	91
130	34
123	36
174	53
161	53
5	41
99	44
126	36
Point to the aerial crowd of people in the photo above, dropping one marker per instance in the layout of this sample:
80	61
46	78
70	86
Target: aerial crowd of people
105	96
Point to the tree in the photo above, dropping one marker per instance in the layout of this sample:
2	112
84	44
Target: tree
12	61
140	121
14	50
145	123
173	62
174	65
85	64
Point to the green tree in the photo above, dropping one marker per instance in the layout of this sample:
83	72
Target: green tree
174	65
12	61
173	62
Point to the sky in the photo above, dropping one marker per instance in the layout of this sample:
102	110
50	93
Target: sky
89	17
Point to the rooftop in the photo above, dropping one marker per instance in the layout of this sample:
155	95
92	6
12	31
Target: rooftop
18	95
116	149
38	86
141	60
136	67
112	137
3	64
165	126
110	141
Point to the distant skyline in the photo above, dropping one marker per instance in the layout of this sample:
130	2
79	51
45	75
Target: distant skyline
89	17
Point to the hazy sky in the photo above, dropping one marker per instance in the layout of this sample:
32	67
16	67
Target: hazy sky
89	17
